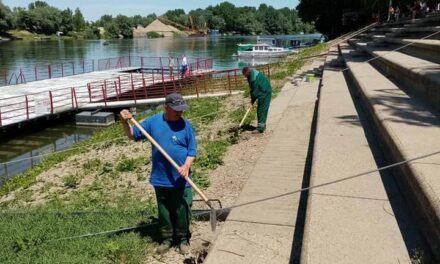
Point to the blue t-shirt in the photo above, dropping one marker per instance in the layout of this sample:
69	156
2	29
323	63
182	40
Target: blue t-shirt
177	139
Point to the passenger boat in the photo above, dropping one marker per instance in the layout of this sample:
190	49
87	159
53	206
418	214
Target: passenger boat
261	50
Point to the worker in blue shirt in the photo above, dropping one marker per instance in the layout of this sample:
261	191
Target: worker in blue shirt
174	197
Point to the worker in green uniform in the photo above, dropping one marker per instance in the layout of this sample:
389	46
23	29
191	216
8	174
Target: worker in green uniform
260	90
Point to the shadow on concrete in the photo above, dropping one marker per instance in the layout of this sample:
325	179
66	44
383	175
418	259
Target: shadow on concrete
350	120
298	235
405	107
405	110
408	227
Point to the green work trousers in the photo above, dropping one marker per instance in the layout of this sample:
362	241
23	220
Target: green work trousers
262	110
174	206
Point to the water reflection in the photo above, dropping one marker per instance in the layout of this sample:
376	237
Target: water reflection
242	62
21	153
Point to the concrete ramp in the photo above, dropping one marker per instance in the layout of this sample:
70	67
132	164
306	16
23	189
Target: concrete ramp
263	232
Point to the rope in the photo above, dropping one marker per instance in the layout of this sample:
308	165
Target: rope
226	209
223	210
101	142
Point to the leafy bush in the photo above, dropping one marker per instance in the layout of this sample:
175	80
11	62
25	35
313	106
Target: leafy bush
153	34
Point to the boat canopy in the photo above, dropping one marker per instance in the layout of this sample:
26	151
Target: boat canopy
245	47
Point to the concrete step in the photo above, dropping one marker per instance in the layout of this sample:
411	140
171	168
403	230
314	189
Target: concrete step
431	20
427	49
418	77
417	33
408	22
346	222
263	232
406	129
383	30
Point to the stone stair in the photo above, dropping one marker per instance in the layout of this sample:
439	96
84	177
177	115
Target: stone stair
400	94
393	75
378	104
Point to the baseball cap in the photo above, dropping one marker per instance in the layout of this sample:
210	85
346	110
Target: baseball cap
176	102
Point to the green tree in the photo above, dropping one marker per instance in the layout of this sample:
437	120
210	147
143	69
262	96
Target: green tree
6	18
217	22
79	24
91	32
43	18
328	15
104	21
272	21
229	13
175	14
22	18
124	25
66	21
37	4
111	30
200	18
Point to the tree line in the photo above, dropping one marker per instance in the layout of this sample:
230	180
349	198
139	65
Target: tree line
227	18
41	18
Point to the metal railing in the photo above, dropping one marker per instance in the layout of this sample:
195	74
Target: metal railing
46	71
194	64
154	83
68	68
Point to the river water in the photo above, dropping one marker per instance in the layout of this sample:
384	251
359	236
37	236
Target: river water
17	54
18	154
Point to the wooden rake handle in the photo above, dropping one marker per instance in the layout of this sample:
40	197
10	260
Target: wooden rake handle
245	115
173	163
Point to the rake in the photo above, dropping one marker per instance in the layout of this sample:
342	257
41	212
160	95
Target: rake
212	213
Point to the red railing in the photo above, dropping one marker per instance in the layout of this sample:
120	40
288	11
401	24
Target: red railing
136	86
194	64
132	86
26	107
43	72
68	68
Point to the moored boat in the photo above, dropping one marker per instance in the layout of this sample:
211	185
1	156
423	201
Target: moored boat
261	50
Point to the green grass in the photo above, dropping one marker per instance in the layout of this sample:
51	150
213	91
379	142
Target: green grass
27	235
209	158
203	111
71	181
128	164
291	64
237	115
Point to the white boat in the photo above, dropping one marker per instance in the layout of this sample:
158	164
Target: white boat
261	50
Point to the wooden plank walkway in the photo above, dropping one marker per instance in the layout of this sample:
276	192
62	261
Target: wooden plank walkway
23	102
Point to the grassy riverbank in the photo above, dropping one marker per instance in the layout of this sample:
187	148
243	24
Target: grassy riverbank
101	184
97	187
